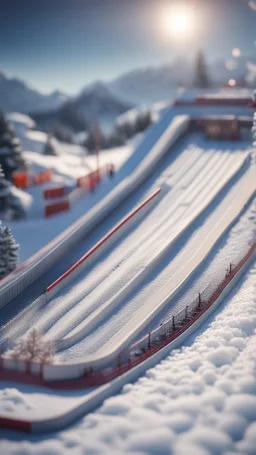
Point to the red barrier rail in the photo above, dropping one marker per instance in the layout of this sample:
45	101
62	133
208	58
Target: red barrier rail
201	101
217	101
42	177
52	193
103	240
51	209
93	178
21	179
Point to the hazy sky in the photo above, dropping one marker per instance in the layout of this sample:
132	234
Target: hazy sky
66	44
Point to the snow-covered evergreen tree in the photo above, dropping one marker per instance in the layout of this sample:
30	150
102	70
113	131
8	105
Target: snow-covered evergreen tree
4	191
10	205
49	147
32	347
10	149
8	251
202	79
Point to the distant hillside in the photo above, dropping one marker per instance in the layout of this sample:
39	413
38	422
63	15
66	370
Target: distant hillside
95	103
17	96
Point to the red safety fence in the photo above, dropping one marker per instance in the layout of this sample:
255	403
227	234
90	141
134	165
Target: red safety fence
21	179
93	178
218	101
42	177
207	101
88	181
57	207
104	239
57	191
52	193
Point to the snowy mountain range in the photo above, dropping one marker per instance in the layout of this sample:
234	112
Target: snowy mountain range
18	96
104	101
95	102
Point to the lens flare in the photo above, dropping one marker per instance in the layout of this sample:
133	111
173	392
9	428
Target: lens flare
178	22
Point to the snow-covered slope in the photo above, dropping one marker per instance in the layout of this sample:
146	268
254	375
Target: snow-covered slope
18	96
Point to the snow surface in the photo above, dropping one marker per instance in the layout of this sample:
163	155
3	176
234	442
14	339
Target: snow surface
28	402
71	162
21	119
69	165
200	400
190	179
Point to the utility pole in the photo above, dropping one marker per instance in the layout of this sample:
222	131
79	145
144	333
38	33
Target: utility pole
97	150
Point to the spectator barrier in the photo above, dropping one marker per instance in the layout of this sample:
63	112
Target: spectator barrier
56	192
84	183
57	207
42	177
214	101
23	179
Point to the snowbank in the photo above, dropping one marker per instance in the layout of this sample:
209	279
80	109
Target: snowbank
201	399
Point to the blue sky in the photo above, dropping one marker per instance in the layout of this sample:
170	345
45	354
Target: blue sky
67	44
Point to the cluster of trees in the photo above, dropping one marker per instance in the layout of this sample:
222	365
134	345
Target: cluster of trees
10	205
62	133
8	252
10	149
66	117
128	128
121	133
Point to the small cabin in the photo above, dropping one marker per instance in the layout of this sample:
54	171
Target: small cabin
222	129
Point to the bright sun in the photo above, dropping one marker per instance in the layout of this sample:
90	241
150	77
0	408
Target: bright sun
178	22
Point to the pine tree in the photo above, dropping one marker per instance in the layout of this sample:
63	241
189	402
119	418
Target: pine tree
201	75
2	254
8	252
143	121
10	149
13	248
49	148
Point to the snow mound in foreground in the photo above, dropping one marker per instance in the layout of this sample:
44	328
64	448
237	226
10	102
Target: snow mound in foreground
200	400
